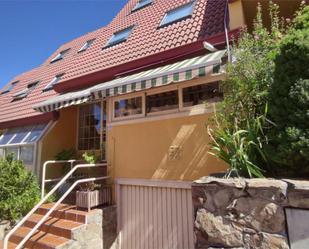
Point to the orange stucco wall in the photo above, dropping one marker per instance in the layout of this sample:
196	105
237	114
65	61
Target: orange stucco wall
236	14
61	136
142	150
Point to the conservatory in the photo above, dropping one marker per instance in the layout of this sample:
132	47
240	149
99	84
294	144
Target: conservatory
23	143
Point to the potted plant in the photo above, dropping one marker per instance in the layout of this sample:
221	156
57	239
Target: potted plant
92	195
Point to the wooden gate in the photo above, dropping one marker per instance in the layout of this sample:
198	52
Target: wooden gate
154	214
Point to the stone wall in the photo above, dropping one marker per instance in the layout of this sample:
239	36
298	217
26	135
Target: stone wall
245	213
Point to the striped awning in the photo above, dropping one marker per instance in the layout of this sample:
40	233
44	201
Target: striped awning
63	101
180	71
173	73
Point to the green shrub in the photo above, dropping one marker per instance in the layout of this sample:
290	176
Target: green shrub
19	189
90	157
65	155
289	101
238	137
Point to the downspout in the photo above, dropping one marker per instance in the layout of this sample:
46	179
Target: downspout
226	31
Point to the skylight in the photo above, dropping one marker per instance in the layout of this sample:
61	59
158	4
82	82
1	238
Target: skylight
86	45
119	37
178	14
59	56
24	93
9	87
54	81
142	4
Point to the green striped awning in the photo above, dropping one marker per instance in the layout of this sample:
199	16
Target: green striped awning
177	72
180	71
63	101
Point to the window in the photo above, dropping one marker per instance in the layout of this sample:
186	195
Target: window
12	150
9	87
22	135
86	45
178	14
26	154
54	81
35	133
141	4
2	153
195	95
89	127
25	92
21	142
128	107
119	37
60	55
162	101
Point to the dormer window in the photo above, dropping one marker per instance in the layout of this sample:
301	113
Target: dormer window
178	14
120	36
25	92
54	81
141	4
60	55
86	45
9	87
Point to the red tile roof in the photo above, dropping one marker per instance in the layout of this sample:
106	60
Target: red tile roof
146	40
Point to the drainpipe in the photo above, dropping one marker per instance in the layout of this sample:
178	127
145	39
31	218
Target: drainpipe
226	31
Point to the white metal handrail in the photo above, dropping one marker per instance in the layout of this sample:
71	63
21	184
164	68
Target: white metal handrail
43	200
71	162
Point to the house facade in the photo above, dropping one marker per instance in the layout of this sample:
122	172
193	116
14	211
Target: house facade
133	91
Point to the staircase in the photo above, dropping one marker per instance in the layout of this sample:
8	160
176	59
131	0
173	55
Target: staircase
64	228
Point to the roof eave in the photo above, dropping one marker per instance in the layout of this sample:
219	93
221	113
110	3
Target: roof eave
192	49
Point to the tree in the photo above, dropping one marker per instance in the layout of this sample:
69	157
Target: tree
289	101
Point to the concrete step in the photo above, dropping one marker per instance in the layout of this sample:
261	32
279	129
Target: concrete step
64	211
56	226
40	240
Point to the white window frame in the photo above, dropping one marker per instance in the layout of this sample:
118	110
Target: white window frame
181	111
77	127
23	144
128	96
169	88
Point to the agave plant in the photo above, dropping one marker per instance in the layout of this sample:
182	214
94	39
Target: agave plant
241	149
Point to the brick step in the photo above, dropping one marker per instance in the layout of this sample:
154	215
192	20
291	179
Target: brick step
55	226
64	211
10	246
40	240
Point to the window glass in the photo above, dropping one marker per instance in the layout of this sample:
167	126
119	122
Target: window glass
142	4
119	36
60	55
35	133
200	94
54	81
86	45
12	150
9	87
178	14
7	136
128	107
1	152
89	127
26	154
21	134
162	101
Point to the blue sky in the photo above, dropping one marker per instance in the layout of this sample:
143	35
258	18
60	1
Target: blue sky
30	30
